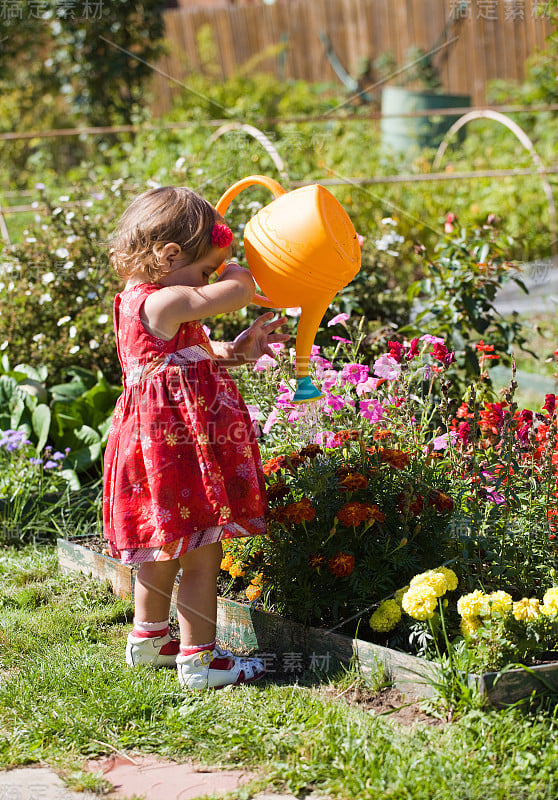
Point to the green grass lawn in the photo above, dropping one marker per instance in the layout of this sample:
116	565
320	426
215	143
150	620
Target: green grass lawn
66	696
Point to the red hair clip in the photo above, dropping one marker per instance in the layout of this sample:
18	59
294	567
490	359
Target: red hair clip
221	235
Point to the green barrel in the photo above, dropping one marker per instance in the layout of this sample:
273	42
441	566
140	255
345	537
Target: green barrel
404	133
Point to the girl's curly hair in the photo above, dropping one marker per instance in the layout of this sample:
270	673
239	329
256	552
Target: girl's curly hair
156	218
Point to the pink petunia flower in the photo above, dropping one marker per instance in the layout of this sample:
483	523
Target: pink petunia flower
431	339
334	401
339	318
270	421
354	373
441	442
329	436
369	385
341	339
387	367
371	410
263	363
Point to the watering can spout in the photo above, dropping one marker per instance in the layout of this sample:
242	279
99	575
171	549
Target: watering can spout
302	249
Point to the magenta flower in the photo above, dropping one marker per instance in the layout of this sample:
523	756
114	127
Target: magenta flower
387	367
440	353
496	497
277	346
371	410
354	373
339	318
334	401
341	339
396	350
550	403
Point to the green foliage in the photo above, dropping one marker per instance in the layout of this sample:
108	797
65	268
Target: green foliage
458	293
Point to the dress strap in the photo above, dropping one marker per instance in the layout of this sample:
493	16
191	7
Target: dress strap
187	355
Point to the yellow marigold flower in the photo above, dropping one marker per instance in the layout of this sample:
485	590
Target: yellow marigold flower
450	576
550	601
399	595
527	609
469	626
420	601
227	562
432	578
253	592
386	616
474	604
500	602
236	571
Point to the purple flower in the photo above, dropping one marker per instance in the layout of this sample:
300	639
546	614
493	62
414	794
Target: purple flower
58	455
354	373
371	410
387	367
35	461
339	318
496	497
50	464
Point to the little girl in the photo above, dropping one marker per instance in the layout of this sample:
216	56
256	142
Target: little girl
182	465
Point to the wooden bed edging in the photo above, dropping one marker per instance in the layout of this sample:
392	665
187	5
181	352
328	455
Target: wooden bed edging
288	646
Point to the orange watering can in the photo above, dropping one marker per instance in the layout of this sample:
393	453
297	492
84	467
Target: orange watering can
301	249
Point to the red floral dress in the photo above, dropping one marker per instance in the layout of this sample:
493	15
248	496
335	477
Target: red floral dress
182	466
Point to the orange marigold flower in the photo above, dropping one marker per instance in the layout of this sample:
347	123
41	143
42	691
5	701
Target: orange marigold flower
352	514
346	435
227	562
316	560
274	464
278	514
441	501
417	505
341	564
277	491
301	511
311	451
383	433
253	592
398	459
353	481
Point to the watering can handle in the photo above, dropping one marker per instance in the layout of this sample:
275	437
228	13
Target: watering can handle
224	202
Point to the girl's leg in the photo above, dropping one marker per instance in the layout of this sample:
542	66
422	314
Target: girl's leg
197	595
153	590
149	642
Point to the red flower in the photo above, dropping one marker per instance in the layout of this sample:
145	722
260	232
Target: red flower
464	431
396	351
440	353
352	514
413	349
341	564
550	404
221	235
492	418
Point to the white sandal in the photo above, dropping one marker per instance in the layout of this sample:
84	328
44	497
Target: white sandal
153	651
195	671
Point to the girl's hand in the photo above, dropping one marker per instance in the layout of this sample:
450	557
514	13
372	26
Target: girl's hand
254	342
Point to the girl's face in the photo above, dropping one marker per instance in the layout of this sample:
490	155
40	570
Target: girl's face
195	273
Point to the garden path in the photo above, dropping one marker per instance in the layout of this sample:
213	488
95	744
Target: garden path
148	778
